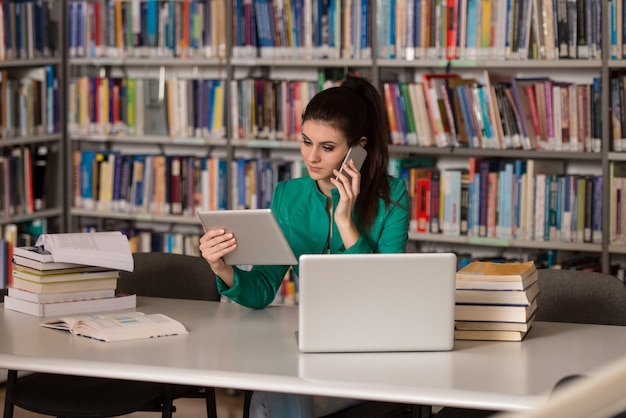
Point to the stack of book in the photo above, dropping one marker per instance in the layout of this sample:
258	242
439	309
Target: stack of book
495	301
44	287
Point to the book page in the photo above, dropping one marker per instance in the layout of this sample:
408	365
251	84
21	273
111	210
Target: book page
103	249
67	322
128	327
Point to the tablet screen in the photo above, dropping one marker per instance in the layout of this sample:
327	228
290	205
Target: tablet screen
260	240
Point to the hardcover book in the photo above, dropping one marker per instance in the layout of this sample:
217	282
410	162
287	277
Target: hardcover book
48	309
155	108
500	276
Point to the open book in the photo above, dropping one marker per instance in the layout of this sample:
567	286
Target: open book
103	249
119	326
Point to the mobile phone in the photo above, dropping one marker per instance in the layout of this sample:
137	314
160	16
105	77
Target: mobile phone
357	154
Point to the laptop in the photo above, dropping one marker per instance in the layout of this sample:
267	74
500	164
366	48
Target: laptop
376	302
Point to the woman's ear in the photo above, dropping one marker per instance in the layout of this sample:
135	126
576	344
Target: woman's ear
362	141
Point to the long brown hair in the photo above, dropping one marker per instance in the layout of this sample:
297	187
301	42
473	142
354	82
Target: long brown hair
357	110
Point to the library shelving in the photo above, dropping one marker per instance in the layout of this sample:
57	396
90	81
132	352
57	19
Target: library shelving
265	49
32	138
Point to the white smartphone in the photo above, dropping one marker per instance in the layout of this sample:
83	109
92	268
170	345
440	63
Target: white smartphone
357	154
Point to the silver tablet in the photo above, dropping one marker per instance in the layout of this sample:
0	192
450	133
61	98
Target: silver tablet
259	237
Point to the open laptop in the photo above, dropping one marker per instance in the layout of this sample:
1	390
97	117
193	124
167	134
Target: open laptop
376	302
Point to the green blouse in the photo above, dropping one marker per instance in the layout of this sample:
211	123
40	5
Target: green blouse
300	209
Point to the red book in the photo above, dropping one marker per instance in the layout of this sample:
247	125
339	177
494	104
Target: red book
96	27
532	106
423	199
452	22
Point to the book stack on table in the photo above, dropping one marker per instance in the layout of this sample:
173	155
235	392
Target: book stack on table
495	301
43	286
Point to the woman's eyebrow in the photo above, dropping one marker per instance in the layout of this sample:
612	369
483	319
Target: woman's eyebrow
327	142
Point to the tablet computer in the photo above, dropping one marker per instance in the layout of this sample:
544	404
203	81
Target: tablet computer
260	240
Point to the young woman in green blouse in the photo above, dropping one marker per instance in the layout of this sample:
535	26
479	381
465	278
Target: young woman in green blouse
326	212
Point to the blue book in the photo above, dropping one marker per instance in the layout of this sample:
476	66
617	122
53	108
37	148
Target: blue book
138	181
392	29
506	197
596	223
222	194
87	161
471	41
519	171
464	97
417	17
152	22
364	42
117	181
241	183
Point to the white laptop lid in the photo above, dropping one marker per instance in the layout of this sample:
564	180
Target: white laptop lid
376	302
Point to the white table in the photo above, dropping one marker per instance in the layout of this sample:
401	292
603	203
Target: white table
234	347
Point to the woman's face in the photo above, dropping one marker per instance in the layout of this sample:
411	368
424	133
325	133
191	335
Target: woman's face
323	149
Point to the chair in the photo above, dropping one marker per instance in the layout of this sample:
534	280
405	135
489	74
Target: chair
155	274
569	296
368	409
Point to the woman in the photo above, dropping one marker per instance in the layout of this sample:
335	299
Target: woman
330	211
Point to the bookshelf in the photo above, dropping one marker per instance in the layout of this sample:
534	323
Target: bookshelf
32	131
242	57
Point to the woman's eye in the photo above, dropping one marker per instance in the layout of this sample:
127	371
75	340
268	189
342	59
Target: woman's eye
328	149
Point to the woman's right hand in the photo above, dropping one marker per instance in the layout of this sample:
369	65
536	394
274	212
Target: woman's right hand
214	245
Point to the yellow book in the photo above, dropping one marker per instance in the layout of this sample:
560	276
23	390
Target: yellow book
493	335
497	276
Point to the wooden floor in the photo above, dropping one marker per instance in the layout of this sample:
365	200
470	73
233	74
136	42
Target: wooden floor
229	405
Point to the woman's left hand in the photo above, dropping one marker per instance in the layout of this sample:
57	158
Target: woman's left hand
348	183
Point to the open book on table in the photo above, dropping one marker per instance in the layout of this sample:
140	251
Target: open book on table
118	326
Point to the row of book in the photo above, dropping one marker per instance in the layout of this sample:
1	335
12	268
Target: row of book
495	301
173	184
302	29
502	112
407	29
23	180
28	29
496	29
441	110
42	285
136	106
532	200
29	102
147	29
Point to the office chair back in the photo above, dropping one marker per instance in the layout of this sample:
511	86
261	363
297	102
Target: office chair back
167	275
581	297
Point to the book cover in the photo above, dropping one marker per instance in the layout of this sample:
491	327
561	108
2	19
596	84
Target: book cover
53	277
489	335
155	108
41	309
61	287
494	325
60	297
492	275
503	313
498	297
